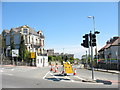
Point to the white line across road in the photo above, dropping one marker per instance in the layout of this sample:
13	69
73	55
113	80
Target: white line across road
46	74
54	76
70	79
8	74
1	70
12	69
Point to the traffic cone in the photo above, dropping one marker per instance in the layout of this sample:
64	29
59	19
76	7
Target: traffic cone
75	71
56	70
63	71
57	66
52	69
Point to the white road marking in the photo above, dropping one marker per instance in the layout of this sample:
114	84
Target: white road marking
9	74
1	70
70	79
46	75
54	76
78	77
12	69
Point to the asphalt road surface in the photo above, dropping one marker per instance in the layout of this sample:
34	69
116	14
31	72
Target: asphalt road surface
34	77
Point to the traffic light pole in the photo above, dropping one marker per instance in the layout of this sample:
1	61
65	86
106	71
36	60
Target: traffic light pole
91	55
92	62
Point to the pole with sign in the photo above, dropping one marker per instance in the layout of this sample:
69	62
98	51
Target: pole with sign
15	53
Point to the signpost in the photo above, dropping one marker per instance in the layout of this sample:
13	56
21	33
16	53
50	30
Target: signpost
32	55
15	53
68	68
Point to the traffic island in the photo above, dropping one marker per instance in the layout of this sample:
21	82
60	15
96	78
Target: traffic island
106	82
91	81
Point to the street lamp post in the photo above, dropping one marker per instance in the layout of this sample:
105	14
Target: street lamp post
93	21
95	32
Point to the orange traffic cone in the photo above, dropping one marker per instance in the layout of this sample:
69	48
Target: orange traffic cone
75	71
57	66
63	71
52	69
56	69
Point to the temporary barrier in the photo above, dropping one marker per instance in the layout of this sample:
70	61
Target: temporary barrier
67	68
56	69
75	71
52	69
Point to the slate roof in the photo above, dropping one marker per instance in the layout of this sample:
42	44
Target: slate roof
7	31
114	43
17	29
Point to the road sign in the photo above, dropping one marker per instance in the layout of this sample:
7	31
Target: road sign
68	68
15	52
32	55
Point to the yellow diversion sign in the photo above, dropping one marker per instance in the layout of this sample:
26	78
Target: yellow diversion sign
32	55
67	68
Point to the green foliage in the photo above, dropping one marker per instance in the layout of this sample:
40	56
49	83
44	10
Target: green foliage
61	59
49	58
22	49
71	61
26	55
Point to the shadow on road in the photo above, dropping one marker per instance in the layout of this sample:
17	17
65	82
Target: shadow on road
104	82
57	79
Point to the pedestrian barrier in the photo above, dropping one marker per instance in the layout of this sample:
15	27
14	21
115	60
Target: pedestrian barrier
75	71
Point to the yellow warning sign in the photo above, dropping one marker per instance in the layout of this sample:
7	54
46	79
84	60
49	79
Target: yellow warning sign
32	55
67	68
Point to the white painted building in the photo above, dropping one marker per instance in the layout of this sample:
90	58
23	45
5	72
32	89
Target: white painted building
33	40
41	61
111	49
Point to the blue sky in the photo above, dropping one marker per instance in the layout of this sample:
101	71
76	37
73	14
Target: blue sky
64	23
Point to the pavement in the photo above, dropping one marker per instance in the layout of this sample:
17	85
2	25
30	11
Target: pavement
109	71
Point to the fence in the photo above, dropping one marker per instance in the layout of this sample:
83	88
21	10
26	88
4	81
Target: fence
108	66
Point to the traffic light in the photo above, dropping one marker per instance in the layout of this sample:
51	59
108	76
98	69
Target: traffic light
85	42
92	39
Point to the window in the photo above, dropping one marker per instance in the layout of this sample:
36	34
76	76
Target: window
41	60
12	33
25	30
38	61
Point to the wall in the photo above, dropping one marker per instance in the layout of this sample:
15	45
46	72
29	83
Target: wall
41	61
114	50
17	38
8	40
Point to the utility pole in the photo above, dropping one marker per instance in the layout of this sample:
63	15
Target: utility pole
86	60
91	42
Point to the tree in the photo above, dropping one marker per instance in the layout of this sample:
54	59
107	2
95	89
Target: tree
26	56
3	45
71	60
50	58
22	49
